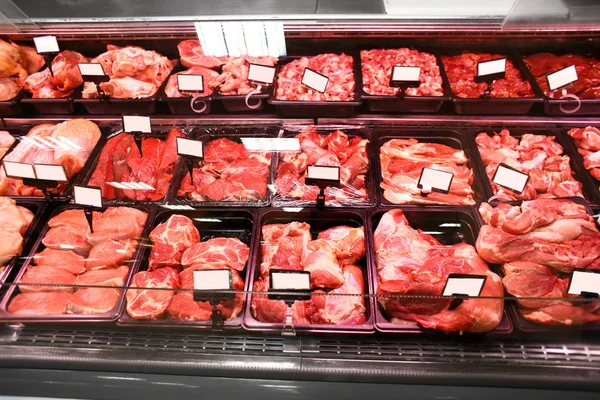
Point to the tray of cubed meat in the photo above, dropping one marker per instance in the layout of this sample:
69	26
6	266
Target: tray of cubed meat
512	94
545	156
538	244
403	154
74	274
235	170
71	144
587	141
428	95
182	242
415	252
581	97
125	173
338	97
135	76
189	102
330	246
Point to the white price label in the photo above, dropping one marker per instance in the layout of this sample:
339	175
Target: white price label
405	74
137	123
91	69
87	196
323	172
271	144
561	78
433	179
261	73
510	178
491	67
189	148
470	285
584	281
314	80
290	281
49	172
46	44
212	279
18	170
190	83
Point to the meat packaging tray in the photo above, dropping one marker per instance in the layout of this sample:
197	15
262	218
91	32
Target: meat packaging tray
450	138
9	108
112	106
318	221
594	186
495	105
182	105
63	106
581	174
212	223
107	317
237	103
370	182
303	108
449	225
236	134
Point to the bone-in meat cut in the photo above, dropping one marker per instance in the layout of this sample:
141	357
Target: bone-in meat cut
62	82
14	222
16	64
588	145
191	54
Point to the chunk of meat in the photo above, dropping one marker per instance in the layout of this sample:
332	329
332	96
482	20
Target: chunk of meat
111	253
105	277
118	223
587	141
191	54
227	252
319	259
282	246
93	301
12	245
64	79
532	280
6	139
47	275
63	259
145	303
68	237
348	243
40	303
235	74
170	240
210	82
274	311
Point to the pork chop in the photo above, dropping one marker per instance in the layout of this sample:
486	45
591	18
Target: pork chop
93	301
40	303
63	259
147	303
104	277
170	240
47	275
228	252
111	253
68	237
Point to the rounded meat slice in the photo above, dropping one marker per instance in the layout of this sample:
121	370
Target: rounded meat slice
170	240
41	303
151	304
63	259
104	277
47	275
228	252
111	253
93	301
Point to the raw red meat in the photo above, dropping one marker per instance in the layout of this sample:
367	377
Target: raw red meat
118	223
63	259
49	276
225	252
191	54
348	243
147	303
337	307
377	66
93	301
462	69
42	303
337	67
170	240
64	79
235	74
320	260
68	237
210	77
588	144
274	311
104	277
282	246
110	254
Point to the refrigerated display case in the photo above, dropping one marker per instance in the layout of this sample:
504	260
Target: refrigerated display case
104	303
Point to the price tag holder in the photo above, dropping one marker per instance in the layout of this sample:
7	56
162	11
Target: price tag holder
91	198
510	178
435	180
585	283
262	74
190	83
314	80
50	172
210	284
136	124
561	78
46	44
93	72
289	286
17	170
463	286
189	148
489	71
323	176
405	77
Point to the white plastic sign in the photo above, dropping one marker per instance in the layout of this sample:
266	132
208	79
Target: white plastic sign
405	74
271	144
290	281
46	44
137	123
584	281
49	172
435	179
510	178
562	77
18	170
91	69
323	172
87	196
214	279
190	83
491	67
314	80
261	73
189	148
470	285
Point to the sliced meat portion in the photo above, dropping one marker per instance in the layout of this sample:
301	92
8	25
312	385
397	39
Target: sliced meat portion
73	218
63	259
93	301
191	54
348	243
319	259
111	253
118	223
48	276
282	246
67	237
170	240
147	303
228	252
587	141
41	303
105	277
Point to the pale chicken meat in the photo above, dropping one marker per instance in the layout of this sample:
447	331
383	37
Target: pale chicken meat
587	141
65	77
14	222
16	64
6	141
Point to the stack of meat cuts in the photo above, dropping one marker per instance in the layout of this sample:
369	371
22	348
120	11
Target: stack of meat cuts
120	162
331	260
588	145
337	67
228	172
134	73
6	140
538	156
75	256
402	162
68	144
62	82
587	86
335	149
235	74
412	263
14	222
16	64
377	66
462	69
539	243
191	54
176	253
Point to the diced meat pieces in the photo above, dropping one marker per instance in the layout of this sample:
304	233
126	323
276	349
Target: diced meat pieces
170	240
147	303
587	141
227	252
235	74
93	301
39	303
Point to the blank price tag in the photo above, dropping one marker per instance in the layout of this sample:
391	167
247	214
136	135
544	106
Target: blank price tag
402	74
87	196
91	69
436	180
510	178
18	170
586	281
213	279
189	148
314	80
290	280
49	172
464	284
190	83
323	173
561	78
46	44
261	73
137	123
492	67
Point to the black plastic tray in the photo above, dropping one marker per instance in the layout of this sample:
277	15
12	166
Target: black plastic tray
232	223
61	106
302	108
181	105
9	108
237	103
450	138
318	221
580	173
235	134
595	184
431	219
110	316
